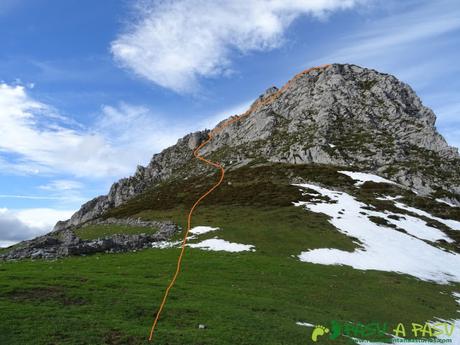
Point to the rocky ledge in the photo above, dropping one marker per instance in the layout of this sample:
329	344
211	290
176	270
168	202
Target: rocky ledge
58	244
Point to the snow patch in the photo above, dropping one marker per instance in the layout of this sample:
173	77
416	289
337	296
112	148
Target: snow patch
217	244
365	177
457	296
417	227
453	224
389	198
446	202
199	230
384	248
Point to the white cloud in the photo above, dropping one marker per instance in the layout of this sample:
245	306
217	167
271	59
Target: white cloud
62	185
18	225
36	139
173	43
136	133
30	197
31	131
64	193
43	218
385	40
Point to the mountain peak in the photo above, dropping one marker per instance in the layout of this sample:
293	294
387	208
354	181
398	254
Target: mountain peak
340	114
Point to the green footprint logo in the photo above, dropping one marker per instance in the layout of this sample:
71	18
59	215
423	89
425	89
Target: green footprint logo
319	331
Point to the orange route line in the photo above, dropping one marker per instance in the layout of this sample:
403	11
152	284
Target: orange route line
256	105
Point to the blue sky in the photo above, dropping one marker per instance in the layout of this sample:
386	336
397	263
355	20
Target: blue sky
90	89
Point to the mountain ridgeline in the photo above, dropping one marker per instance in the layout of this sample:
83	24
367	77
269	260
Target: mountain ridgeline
339	115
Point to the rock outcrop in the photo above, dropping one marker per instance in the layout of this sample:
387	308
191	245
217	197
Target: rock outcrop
63	243
342	115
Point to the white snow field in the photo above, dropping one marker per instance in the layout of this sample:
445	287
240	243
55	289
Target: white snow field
365	177
383	248
217	244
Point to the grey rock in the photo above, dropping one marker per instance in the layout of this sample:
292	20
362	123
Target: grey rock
195	139
62	243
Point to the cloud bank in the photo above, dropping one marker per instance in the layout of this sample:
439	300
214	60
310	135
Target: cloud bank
37	140
21	225
174	43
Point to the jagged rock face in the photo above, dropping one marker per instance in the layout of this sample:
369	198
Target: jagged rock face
323	104
341	114
348	115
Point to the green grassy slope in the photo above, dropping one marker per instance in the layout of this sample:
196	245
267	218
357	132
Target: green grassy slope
247	298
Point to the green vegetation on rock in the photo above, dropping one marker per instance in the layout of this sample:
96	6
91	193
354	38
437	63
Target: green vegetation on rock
91	232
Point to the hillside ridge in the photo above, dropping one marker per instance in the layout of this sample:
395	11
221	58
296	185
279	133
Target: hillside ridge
342	115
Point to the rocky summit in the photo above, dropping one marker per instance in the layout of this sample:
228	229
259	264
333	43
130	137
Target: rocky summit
340	114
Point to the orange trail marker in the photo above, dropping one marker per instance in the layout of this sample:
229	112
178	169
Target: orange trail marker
256	105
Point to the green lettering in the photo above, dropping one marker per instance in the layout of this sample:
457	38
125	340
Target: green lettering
359	330
383	330
348	329
371	329
336	330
